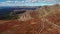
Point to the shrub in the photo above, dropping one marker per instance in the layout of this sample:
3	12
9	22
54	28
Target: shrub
9	16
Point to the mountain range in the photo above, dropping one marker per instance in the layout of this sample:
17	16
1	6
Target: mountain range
5	9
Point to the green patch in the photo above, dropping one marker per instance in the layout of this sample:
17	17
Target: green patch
9	16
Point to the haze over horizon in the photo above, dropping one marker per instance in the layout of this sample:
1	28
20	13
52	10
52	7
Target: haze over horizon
28	2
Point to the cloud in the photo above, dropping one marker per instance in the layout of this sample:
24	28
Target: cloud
31	0
27	2
10	3
41	0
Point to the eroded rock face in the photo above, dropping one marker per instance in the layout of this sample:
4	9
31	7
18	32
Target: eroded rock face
52	21
44	20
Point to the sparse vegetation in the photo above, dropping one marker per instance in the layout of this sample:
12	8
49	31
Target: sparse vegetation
44	20
9	16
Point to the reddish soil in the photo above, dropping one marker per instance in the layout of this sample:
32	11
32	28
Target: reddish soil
51	22
55	18
49	29
32	26
20	27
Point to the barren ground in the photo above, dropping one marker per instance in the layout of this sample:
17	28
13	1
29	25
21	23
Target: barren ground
41	22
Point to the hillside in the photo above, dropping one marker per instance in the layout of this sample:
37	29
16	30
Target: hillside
43	20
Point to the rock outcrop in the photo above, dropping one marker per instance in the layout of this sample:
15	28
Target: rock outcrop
43	20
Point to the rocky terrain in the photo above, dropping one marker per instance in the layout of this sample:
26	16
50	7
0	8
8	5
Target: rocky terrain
44	20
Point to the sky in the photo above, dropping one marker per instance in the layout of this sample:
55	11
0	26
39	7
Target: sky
28	2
